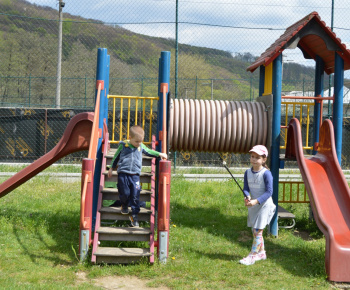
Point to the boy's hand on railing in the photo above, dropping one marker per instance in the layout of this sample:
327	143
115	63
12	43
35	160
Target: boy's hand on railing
110	172
163	155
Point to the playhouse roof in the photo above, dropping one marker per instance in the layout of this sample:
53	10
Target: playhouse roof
313	38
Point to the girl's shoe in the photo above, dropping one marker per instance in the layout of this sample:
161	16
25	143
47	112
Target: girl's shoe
260	256
251	259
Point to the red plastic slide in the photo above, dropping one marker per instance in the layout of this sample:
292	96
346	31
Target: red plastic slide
75	138
329	196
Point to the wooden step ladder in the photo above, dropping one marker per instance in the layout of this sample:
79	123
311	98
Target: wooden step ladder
114	241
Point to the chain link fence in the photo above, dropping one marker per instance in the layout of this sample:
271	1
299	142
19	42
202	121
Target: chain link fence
212	42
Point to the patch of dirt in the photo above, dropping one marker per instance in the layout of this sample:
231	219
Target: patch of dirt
245	236
304	235
116	282
337	285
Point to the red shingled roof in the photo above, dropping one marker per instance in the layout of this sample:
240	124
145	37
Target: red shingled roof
311	44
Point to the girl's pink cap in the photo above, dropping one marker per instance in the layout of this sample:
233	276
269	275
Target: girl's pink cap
260	149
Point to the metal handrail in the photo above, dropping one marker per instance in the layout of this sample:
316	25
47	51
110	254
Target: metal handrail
91	155
83	223
95	129
164	201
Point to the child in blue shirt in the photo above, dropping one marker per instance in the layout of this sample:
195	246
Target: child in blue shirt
128	161
258	191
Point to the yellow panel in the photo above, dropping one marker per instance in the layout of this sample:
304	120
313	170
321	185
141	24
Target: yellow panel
268	80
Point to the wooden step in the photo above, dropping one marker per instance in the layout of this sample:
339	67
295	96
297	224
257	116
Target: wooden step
124	234
120	255
114	213
112	194
145	177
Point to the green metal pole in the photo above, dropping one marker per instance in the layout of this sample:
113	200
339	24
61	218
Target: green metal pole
176	58
195	94
141	85
85	90
30	89
251	81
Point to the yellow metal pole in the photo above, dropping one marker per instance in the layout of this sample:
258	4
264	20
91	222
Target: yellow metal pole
136	107
128	125
113	126
293	110
143	114
286	123
121	120
150	121
307	125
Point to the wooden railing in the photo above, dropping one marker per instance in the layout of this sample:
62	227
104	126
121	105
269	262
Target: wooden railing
293	192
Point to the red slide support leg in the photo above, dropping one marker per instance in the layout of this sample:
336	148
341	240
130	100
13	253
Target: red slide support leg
164	209
86	207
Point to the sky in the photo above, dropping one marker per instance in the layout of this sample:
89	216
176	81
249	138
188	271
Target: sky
232	25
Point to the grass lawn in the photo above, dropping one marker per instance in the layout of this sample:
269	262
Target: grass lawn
39	237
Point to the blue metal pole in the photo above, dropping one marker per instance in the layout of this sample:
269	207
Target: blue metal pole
105	115
275	136
261	80
164	77
338	103
319	76
101	73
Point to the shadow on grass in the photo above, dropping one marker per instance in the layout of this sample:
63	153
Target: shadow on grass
44	235
303	261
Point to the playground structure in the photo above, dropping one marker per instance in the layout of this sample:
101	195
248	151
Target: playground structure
213	126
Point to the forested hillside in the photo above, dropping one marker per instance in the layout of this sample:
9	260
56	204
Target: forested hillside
28	48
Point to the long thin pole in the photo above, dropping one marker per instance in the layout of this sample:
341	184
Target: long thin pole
229	171
275	136
59	56
176	45
176	58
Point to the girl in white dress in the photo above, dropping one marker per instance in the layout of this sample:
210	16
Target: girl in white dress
258	199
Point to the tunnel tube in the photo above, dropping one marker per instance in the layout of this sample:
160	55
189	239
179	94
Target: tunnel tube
216	126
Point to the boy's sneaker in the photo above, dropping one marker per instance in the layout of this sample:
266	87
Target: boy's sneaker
134	221
124	210
251	259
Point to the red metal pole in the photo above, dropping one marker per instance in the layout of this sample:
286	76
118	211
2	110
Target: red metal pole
164	209
86	206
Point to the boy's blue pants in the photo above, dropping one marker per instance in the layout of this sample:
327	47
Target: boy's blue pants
129	189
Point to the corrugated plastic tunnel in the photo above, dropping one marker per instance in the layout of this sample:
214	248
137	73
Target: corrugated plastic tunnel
217	126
